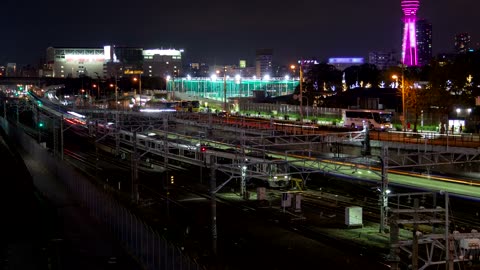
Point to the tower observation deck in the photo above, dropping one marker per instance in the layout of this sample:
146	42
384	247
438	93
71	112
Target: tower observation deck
409	46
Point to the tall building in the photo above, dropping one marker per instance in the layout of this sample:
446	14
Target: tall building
409	45
162	62
462	43
383	60
76	62
11	70
198	69
111	61
263	62
424	42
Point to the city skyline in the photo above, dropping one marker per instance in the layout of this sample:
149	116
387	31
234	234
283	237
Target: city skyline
225	32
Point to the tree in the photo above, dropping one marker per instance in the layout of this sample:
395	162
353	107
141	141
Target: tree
321	81
416	100
452	85
363	75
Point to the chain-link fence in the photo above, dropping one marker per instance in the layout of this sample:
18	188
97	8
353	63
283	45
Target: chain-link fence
150	249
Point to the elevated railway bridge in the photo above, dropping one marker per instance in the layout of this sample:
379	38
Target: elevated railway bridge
252	149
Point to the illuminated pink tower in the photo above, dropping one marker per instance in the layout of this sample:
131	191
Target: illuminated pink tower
409	46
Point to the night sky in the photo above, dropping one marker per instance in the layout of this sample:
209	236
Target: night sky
221	32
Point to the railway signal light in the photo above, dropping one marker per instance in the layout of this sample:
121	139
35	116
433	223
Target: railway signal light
203	149
41	124
172	179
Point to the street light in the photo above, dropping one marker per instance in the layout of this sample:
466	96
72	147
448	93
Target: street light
404	113
286	85
139	79
225	108
98	89
301	88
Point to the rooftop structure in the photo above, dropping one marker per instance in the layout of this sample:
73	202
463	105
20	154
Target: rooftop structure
342	63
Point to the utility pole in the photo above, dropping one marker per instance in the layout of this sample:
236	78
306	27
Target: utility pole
301	90
61	138
384	190
448	243
134	159
38	123
140	87
116	92
225	108
165	145
213	203
416	206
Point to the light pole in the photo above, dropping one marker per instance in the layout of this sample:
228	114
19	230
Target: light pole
307	105
404	113
98	89
167	79
139	79
225	108
301	87
469	111
301	91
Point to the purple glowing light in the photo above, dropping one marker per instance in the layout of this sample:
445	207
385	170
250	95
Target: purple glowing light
409	46
410	7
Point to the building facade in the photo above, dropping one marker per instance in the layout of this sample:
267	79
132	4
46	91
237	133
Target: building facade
424	42
383	60
162	62
342	63
76	62
263	62
11	70
462	43
111	61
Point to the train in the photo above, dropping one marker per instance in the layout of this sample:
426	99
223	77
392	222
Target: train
164	105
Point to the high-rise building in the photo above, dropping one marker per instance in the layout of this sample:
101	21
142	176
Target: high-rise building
162	62
76	62
111	61
198	69
424	42
409	45
383	60
462	43
242	63
11	70
263	62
